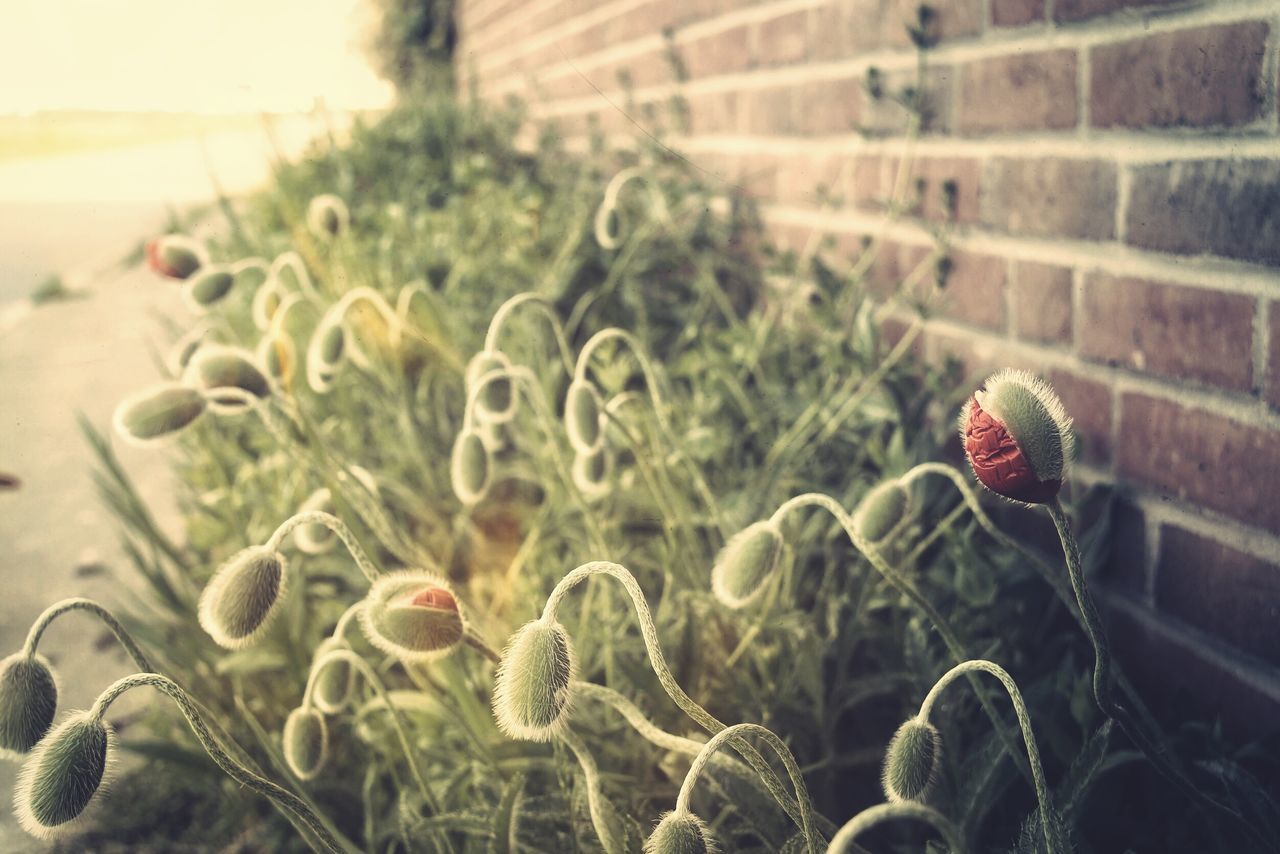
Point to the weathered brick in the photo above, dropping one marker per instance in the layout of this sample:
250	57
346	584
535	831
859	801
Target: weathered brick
1016	13
1199	456
846	28
1018	92
715	112
726	52
1222	207
1050	197
944	188
1199	78
974	290
1042	302
803	179
783	40
828	106
886	116
1187	333
768	111
893	263
1089	404
1076	10
1225	592
977	355
1126	567
1273	368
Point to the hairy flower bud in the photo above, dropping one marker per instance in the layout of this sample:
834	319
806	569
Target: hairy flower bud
157	412
242	598
592	472
216	367
882	511
747	563
335	682
175	255
412	615
207	286
469	467
305	742
680	833
533	690
28	699
583	412
911	763
327	216
324	353
62	775
278	357
496	401
1017	436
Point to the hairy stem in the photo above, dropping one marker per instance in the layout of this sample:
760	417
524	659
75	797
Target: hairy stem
58	608
870	817
333	523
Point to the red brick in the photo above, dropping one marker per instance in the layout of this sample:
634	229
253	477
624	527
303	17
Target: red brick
893	263
1199	456
844	29
769	111
1075	10
1227	593
1050	197
1199	78
865	185
714	112
974	290
801	179
1018	92
929	178
978	355
886	115
1273	369
1016	13
1223	207
757	174
726	52
783	40
1089	404
1187	333
828	106
1126	566
1042	302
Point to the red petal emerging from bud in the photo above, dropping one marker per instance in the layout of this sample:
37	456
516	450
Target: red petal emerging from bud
998	461
435	597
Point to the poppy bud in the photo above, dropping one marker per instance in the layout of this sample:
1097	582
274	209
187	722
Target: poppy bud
266	302
882	511
335	682
469	467
591	472
28	699
324	353
241	599
278	357
62	775
207	286
533	692
157	412
412	615
680	833
746	563
496	400
184	349
305	742
582	416
911	763
215	367
1017	436
327	216
175	255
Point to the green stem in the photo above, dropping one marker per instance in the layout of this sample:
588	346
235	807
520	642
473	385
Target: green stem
533	300
58	608
333	523
872	816
595	799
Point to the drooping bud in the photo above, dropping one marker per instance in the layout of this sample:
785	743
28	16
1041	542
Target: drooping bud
324	353
305	742
497	400
62	775
175	255
243	597
157	412
28	700
266	301
882	511
208	286
680	833
179	355
327	216
335	683
1017	436
747	563
583	416
912	761
592	472
412	615
533	691
215	367
278	357
469	467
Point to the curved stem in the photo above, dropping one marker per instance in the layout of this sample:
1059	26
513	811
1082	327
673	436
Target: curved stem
779	747
278	795
78	604
294	261
595	798
872	816
1088	611
631	714
477	643
533	300
1024	721
333	523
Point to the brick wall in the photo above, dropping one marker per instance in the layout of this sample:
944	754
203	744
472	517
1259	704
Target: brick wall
1112	179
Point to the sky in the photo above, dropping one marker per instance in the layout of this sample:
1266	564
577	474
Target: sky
207	56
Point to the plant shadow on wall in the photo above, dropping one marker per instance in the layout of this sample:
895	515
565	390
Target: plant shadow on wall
531	505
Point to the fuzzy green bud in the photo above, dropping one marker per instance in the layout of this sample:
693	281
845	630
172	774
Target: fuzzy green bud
324	353
175	255
158	412
882	511
208	286
582	417
747	563
327	216
680	833
242	597
336	681
305	742
217	367
62	775
592	472
533	692
469	467
28	700
496	400
412	615
911	763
